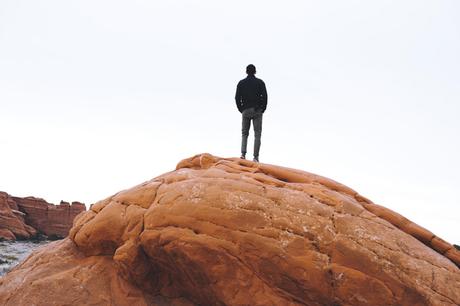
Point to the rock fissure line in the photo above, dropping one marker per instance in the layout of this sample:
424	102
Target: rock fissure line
403	271
406	253
265	282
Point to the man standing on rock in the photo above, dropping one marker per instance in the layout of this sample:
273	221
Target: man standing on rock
251	100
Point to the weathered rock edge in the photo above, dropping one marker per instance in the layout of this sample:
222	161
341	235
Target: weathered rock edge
231	232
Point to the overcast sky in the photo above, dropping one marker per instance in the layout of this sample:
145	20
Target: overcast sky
97	96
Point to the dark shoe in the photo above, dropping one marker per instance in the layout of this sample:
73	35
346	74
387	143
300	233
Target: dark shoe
243	156
256	159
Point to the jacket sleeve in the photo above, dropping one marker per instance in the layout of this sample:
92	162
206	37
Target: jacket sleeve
263	97
238	97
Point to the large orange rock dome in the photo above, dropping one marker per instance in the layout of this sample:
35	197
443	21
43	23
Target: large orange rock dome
225	231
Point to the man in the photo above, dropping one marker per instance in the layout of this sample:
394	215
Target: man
251	100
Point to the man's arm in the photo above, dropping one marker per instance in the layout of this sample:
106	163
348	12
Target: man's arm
263	97
238	97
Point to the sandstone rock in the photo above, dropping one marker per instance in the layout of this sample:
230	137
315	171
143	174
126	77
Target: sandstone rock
51	220
25	217
6	234
233	232
12	224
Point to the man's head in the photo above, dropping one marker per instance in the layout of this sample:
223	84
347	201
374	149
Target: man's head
251	69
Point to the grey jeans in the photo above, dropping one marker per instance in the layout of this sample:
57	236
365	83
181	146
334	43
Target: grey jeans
256	117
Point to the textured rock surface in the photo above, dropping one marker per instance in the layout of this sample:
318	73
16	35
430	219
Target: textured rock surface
12	223
22	218
232	232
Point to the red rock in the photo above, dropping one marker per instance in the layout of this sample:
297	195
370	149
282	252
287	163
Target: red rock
24	217
51	220
12	224
6	234
233	232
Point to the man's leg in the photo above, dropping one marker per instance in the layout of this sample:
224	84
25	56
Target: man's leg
245	133
257	134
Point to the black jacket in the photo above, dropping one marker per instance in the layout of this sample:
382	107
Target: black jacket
251	92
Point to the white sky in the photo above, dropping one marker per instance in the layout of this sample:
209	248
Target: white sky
97	96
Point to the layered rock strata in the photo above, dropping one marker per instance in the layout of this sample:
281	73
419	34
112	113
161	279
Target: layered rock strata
232	232
23	218
12	223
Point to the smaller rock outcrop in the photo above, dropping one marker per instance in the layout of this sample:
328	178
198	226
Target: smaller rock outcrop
12	223
24	218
